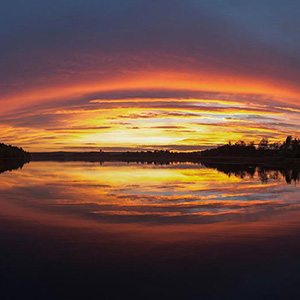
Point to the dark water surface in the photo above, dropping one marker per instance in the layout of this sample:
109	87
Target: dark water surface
78	230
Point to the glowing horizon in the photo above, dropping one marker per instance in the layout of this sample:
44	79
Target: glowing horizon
174	77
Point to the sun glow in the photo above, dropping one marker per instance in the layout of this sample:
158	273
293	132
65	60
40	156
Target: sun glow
69	117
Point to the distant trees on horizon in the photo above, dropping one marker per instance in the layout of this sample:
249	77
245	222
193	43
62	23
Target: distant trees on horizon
290	147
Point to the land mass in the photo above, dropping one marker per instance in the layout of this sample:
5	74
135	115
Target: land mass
12	158
286	154
165	158
139	156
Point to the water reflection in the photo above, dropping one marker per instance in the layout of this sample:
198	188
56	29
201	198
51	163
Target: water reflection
264	174
78	230
11	164
184	193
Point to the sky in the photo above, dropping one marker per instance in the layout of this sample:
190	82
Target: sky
148	74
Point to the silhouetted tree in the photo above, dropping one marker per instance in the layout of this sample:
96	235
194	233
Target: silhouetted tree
295	145
275	146
288	142
289	148
263	144
10	152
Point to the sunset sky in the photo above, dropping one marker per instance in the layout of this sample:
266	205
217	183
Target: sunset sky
148	74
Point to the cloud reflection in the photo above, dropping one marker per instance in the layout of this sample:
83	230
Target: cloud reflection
131	193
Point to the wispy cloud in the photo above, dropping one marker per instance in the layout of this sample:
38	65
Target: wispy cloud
126	74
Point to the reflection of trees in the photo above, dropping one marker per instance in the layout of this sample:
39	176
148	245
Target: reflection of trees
295	176
265	174
238	170
291	175
9	165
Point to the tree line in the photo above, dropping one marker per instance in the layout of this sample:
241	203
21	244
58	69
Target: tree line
12	152
289	148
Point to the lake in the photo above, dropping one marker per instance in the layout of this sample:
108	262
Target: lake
79	230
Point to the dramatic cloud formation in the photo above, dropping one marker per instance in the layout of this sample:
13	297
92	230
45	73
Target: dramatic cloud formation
147	74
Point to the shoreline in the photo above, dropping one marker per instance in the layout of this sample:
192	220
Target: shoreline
170	157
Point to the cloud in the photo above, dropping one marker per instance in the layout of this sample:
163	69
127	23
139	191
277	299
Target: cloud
78	69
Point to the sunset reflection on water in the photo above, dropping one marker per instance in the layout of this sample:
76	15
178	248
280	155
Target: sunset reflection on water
121	225
147	193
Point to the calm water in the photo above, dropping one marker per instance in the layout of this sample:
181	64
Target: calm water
79	230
